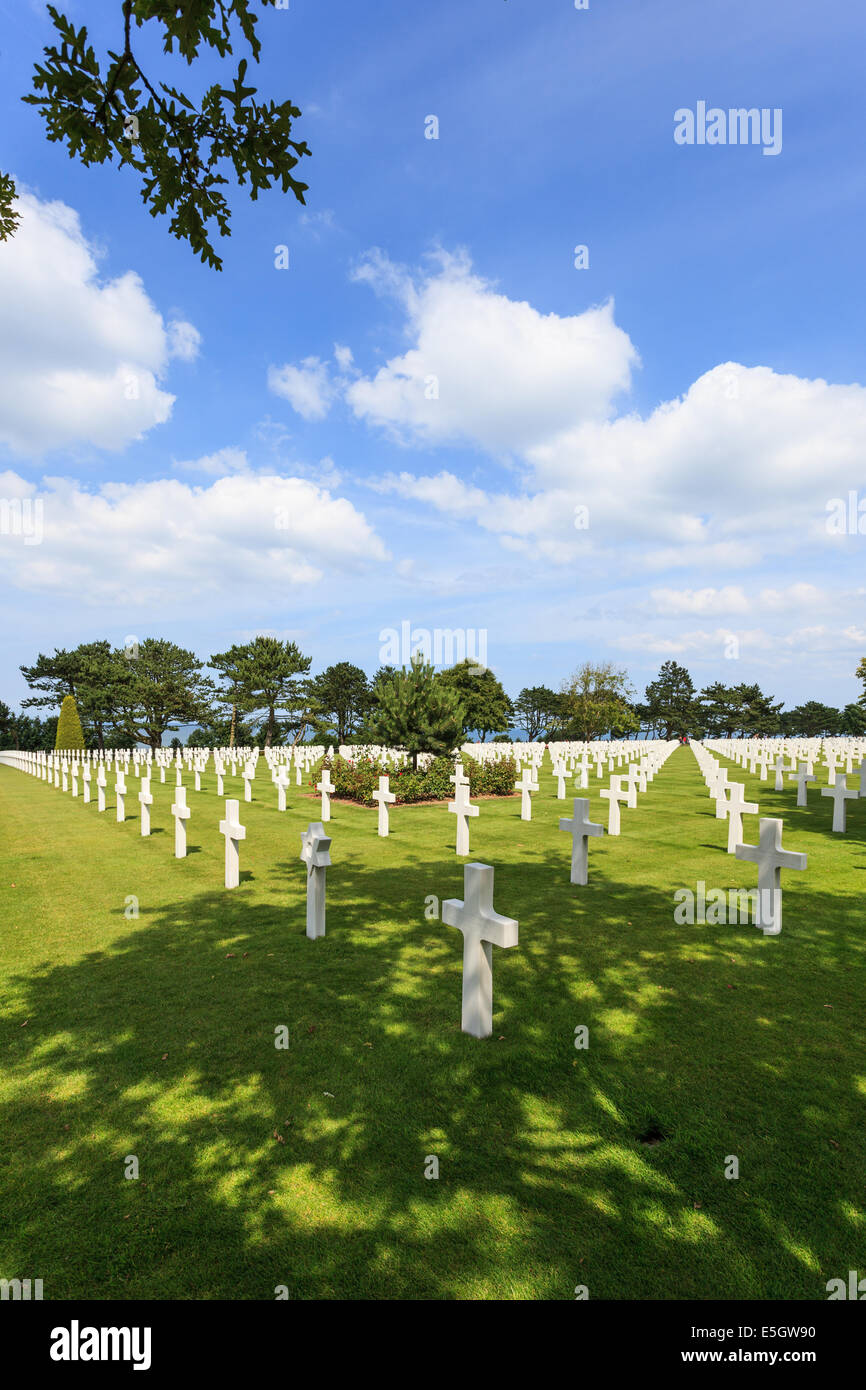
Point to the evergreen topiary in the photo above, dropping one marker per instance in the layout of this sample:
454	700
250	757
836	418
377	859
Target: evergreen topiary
69	735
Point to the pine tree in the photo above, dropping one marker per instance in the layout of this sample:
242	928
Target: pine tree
416	711
69	735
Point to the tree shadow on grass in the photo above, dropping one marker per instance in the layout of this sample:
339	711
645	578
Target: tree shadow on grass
262	1166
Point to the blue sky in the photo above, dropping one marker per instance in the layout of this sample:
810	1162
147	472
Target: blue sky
698	389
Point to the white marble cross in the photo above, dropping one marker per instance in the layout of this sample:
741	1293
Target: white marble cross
179	775
461	808
613	795
75	779
383	796
182	813
482	928
720	793
282	784
326	787
85	776
840	793
197	775
779	769
316	854
249	774
525	786
120	794
632	775
560	774
459	777
770	859
737	808
234	832
802	778
100	788
581	770
146	801
580	827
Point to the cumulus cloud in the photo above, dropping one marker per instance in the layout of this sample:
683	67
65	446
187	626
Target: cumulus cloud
184	340
308	388
82	359
486	369
154	542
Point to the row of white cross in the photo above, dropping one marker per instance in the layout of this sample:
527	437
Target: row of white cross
474	915
837	789
768	853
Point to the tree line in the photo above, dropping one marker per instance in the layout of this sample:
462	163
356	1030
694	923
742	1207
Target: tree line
261	693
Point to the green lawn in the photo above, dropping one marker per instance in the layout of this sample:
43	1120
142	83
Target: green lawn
155	1037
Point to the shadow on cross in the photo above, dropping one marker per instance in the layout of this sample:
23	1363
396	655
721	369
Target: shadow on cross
252	1176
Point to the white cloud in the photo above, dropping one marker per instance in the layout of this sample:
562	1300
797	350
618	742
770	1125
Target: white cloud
486	369
307	388
734	599
184	340
162	541
81	359
218	465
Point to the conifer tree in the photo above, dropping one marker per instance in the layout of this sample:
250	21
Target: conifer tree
416	711
69	735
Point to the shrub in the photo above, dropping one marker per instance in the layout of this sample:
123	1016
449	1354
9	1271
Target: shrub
357	779
69	735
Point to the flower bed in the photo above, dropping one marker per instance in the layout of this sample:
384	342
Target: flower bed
356	780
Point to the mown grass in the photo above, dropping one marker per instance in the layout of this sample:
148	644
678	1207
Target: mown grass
154	1036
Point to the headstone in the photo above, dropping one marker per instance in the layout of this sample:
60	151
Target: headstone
802	777
770	859
482	928
249	774
840	794
580	827
560	774
182	813
525	786
613	795
282	784
461	808
737	808
316	854
234	832
120	795
383	796
326	787
100	788
146	801
85	780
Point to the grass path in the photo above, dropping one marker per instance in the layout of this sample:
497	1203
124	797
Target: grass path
153	1036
